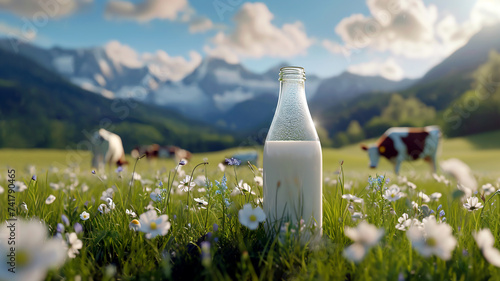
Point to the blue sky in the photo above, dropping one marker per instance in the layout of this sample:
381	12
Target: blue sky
319	35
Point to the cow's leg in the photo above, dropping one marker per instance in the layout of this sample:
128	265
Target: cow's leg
433	163
397	166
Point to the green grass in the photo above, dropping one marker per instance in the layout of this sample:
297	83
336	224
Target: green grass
237	252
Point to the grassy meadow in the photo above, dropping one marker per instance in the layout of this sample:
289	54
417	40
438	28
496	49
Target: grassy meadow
209	242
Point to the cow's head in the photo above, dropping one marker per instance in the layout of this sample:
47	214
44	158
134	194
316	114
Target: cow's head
373	153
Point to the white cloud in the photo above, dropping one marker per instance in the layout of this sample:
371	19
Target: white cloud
411	29
146	10
25	35
160	64
405	28
333	47
230	98
166	67
255	36
388	69
200	24
37	10
121	54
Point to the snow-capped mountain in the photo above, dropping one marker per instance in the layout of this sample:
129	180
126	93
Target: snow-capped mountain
215	92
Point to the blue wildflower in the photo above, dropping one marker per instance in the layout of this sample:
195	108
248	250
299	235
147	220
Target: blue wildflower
183	162
93	172
33	177
222	186
78	228
119	169
65	219
233	162
160	184
439	207
60	228
441	213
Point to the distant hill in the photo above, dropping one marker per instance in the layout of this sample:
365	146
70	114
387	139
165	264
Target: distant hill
41	109
346	86
441	88
212	93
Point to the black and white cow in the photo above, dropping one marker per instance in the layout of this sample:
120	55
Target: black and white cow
398	144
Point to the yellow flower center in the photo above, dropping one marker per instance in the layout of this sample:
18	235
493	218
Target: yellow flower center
22	258
253	218
393	195
136	222
431	242
153	225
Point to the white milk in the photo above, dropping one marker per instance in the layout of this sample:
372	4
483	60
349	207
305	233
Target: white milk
293	182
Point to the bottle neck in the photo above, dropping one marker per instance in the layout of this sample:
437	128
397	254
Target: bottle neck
292	85
292	120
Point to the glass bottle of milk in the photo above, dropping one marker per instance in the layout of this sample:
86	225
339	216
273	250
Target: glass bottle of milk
292	158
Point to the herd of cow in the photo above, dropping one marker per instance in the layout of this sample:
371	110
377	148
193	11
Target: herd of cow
397	144
107	149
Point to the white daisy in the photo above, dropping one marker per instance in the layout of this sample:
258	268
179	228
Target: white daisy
488	189
24	207
134	225
364	233
111	204
1	189
55	186
393	193
136	176
221	167
103	208
108	193
258	180
414	205
441	179
352	198
50	199
130	213
74	244
84	216
357	215
20	186
245	188
411	185
251	217
425	197
461	172
485	241
201	201
432	238
153	225
473	204
259	200
435	196
186	184
484	238
364	236
35	254
403	222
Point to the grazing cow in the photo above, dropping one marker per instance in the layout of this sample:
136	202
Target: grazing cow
400	144
156	151
115	153
99	149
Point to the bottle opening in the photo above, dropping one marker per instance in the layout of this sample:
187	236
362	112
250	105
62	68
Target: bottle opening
292	73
